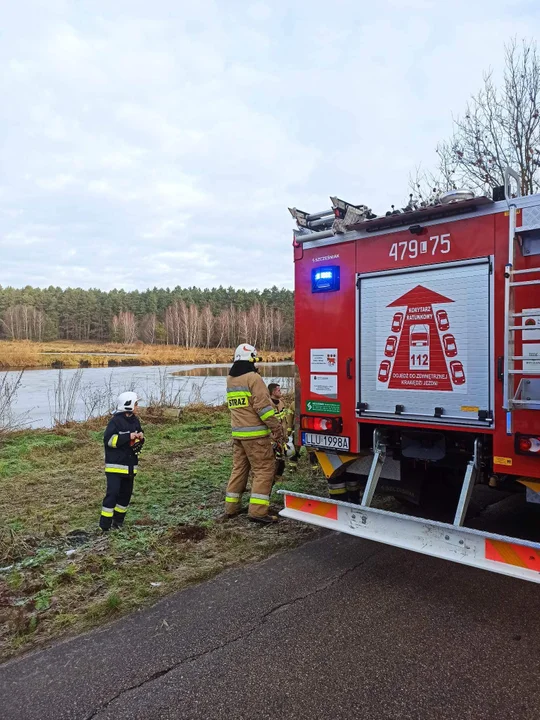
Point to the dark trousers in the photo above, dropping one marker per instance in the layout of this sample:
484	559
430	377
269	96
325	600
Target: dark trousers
345	487
293	461
116	501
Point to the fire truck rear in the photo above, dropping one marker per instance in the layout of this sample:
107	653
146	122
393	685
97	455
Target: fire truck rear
418	351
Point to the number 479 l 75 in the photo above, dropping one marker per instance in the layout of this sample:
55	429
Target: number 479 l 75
413	248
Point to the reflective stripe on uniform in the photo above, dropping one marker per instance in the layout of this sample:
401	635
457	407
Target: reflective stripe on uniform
113	441
120	509
107	512
250	432
120	469
337	491
230	498
261	500
266	412
239	392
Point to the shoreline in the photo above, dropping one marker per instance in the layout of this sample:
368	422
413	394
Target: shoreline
60	355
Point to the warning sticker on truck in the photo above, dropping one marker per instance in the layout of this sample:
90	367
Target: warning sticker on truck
421	344
323	360
325	385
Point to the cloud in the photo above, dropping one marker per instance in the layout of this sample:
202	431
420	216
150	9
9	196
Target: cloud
161	143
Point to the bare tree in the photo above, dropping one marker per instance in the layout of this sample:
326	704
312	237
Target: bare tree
227	325
208	322
223	324
254	326
192	326
427	187
243	328
279	324
23	322
125	327
500	128
147	328
173	326
183	325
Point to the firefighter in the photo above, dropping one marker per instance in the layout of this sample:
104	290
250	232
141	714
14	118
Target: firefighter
123	441
254	429
345	487
282	415
286	415
293	460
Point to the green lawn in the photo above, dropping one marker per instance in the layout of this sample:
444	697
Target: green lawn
64	576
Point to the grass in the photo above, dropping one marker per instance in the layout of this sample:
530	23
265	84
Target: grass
26	354
63	576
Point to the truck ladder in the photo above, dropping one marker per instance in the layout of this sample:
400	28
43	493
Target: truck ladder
527	395
469	479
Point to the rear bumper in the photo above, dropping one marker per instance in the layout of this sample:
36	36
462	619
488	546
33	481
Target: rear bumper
498	553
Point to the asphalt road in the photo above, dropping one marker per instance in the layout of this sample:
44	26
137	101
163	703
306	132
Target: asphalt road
339	628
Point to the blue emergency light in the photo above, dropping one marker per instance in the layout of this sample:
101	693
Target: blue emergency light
325	279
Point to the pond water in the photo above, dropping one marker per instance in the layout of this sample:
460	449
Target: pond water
78	394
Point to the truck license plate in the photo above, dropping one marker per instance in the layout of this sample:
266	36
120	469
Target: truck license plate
334	442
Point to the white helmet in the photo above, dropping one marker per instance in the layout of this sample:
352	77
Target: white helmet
126	402
288	448
246	352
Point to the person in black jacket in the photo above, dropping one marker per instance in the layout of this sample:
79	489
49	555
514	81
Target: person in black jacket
123	441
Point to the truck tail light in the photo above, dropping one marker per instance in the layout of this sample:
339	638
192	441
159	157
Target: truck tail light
527	444
322	424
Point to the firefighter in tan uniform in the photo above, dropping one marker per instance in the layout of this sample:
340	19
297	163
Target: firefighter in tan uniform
286	417
255	428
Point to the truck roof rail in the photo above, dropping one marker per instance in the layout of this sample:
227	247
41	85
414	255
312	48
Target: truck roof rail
325	224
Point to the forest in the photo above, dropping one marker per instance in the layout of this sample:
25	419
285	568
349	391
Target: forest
185	317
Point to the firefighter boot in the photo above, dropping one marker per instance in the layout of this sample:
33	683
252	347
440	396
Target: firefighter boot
118	517
337	490
353	491
106	518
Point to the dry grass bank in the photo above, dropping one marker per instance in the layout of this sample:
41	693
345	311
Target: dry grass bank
14	355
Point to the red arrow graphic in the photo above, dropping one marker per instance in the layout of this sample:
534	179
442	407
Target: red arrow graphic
420	362
420	296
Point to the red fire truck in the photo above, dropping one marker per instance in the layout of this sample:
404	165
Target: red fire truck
418	351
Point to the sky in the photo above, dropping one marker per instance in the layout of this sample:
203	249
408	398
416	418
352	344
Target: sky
160	143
